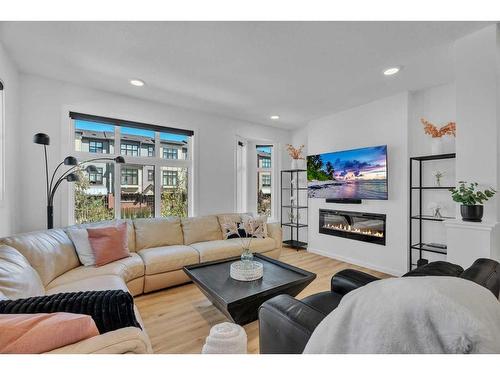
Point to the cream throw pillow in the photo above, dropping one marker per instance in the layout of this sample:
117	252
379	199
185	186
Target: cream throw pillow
17	278
158	232
80	238
201	229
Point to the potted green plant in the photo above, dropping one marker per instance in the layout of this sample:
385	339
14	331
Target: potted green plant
471	199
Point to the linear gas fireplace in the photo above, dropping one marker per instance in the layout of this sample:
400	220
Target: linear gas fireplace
361	226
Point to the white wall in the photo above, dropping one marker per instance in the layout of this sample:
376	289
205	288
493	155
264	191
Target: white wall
8	206
477	69
477	74
383	122
46	104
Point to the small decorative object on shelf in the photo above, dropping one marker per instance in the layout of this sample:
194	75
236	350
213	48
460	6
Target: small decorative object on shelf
295	154
443	139
436	210
438	175
246	269
293	217
471	199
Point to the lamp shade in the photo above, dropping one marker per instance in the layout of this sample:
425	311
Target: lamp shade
41	139
120	160
91	169
72	177
70	160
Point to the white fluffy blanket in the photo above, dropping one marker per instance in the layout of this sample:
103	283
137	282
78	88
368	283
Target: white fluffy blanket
412	315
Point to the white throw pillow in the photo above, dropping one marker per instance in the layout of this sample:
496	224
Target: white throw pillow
80	238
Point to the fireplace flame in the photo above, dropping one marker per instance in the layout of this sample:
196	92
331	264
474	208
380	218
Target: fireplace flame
349	228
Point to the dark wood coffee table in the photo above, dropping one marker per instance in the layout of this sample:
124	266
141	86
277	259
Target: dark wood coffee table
240	300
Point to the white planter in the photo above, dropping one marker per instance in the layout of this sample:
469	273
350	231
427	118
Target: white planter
448	144
294	164
437	146
443	145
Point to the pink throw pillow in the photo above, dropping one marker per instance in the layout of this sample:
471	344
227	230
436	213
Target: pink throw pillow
109	244
40	333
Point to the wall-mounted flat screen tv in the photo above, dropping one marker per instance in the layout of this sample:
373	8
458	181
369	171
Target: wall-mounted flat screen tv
351	174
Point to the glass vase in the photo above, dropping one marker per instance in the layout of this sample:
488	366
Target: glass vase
246	256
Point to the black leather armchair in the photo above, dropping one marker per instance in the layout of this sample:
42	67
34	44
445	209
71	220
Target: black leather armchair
286	324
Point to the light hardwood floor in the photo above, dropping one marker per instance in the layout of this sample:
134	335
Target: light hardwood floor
179	319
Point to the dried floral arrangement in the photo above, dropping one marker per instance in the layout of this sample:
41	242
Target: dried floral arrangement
295	153
431	129
246	231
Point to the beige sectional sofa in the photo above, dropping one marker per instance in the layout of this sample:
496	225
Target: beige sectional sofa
47	262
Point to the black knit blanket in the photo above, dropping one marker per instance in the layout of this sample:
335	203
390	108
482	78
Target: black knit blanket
110	309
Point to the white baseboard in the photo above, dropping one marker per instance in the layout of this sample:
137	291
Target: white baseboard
357	262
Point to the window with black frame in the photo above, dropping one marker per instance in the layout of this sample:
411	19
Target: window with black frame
157	165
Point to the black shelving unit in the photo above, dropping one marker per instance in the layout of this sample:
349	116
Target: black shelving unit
294	240
420	245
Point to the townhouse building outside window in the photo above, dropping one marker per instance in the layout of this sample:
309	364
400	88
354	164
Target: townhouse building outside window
96	147
129	149
153	182
130	176
266	180
96	178
170	153
151	151
170	178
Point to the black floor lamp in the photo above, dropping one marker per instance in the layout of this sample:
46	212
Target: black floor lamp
68	175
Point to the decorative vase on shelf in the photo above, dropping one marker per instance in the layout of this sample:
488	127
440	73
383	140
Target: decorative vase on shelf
437	145
437	213
294	164
447	144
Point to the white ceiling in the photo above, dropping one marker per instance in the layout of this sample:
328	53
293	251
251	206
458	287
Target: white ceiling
244	70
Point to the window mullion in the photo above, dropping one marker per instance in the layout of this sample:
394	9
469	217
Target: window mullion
157	177
118	175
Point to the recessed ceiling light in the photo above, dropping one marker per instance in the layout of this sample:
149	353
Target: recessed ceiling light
392	71
136	82
274	117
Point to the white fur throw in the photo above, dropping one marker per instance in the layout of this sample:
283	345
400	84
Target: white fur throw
412	315
226	338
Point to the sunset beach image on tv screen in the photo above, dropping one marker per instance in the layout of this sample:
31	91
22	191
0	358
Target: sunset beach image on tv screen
351	174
